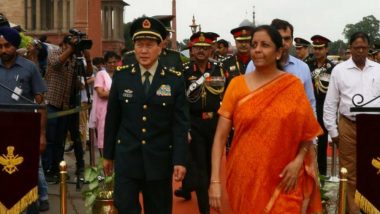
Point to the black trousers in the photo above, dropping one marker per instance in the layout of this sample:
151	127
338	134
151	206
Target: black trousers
157	195
202	133
322	143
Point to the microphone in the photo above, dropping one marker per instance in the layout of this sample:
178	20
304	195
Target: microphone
197	83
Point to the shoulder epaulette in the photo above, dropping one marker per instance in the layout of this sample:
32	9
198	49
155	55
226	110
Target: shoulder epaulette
123	67
177	73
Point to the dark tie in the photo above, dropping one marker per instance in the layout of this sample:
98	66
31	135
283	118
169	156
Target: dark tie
146	83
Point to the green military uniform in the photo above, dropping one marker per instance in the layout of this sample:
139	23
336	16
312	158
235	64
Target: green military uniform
204	90
146	132
321	77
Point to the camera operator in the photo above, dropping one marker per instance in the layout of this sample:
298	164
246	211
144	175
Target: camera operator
62	79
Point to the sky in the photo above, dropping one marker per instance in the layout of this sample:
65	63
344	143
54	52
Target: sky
309	17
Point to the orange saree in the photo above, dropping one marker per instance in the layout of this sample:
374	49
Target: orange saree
270	123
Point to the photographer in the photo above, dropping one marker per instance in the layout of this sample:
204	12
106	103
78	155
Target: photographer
64	69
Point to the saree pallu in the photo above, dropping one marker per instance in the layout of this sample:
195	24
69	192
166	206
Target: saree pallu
270	123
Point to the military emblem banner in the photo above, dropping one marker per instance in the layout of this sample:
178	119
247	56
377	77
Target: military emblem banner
19	156
368	163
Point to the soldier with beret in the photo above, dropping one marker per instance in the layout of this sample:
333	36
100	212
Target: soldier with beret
205	84
169	58
302	49
321	68
146	125
237	63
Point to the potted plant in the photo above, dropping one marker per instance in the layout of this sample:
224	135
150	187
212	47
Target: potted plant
99	195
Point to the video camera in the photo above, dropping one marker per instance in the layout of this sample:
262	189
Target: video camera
82	43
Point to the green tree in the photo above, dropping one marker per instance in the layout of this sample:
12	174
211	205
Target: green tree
337	47
368	24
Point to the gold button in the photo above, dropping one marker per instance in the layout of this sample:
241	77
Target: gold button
170	146
126	101
144	118
118	141
164	104
143	130
145	106
143	142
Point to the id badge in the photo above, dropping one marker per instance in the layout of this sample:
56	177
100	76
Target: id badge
16	92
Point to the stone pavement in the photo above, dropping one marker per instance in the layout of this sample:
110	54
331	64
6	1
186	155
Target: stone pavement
75	202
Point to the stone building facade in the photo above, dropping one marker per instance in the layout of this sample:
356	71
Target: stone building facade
101	20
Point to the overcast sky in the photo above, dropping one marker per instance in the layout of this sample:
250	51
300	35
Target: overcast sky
309	17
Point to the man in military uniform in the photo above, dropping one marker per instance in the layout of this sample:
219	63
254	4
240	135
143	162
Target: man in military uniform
302	49
168	58
146	126
205	83
321	68
237	63
376	53
222	49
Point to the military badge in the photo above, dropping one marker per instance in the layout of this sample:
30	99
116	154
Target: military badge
164	91
128	93
146	24
202	38
232	68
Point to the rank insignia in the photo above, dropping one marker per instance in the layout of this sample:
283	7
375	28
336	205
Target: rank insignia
164	91
232	68
128	93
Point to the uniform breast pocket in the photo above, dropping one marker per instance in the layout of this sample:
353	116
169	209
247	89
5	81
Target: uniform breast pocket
164	102
127	98
375	87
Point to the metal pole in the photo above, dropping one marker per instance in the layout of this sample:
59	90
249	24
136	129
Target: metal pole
63	187
342	191
334	177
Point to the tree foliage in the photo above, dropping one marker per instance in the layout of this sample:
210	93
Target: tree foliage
337	47
368	24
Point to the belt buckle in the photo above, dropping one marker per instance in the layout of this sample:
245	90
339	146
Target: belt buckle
207	115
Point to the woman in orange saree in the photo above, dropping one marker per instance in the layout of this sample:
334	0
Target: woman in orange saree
271	165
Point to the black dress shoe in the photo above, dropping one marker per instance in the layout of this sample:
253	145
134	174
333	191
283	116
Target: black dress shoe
183	194
44	206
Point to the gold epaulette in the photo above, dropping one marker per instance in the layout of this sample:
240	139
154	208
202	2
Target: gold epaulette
177	73
122	67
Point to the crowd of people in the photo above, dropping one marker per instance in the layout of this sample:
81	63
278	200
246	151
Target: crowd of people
157	117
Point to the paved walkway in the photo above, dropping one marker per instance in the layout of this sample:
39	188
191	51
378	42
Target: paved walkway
75	203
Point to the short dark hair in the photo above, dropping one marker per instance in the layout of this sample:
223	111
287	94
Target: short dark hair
223	42
280	24
357	35
97	60
274	35
110	54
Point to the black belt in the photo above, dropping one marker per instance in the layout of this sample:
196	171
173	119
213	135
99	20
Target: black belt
204	115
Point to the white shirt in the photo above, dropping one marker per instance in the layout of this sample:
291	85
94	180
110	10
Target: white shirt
346	81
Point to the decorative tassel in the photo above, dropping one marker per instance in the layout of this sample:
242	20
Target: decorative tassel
22	204
364	204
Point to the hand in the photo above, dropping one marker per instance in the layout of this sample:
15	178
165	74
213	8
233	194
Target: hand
335	140
189	137
179	172
42	143
215	196
108	167
289	175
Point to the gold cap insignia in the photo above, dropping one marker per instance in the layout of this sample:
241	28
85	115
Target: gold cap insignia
202	38
10	161
244	32
146	24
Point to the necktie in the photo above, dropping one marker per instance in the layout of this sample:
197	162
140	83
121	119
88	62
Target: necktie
146	83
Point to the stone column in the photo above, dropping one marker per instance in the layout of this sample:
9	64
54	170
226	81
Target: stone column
109	23
104	21
64	16
38	15
55	14
71	3
29	24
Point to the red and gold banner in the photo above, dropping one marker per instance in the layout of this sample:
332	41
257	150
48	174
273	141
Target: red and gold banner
19	156
368	163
